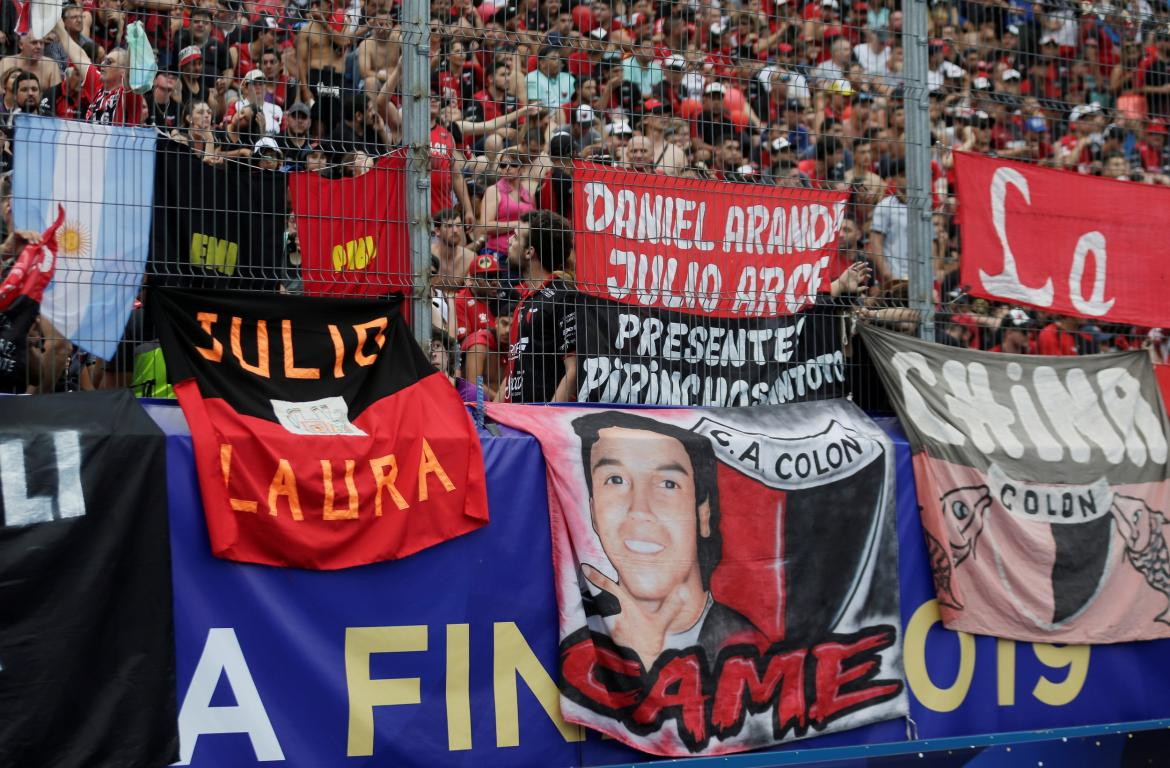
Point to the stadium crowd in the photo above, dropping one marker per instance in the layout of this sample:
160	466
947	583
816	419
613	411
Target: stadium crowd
792	93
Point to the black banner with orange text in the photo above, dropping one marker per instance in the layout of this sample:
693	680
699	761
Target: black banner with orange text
323	438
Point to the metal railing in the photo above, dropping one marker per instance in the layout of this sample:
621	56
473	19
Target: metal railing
275	123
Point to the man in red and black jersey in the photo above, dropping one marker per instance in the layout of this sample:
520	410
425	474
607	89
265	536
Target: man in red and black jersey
542	361
112	102
493	100
447	168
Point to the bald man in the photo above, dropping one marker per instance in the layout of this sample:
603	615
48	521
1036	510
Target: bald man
32	59
640	155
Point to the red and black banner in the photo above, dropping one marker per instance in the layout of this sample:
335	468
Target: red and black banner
323	437
353	230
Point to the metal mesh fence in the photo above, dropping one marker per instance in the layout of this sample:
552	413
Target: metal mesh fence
807	137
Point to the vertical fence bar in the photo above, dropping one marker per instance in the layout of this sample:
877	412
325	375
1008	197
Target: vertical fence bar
416	135
918	192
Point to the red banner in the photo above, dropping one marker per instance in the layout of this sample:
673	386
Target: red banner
352	231
703	247
323	437
1064	242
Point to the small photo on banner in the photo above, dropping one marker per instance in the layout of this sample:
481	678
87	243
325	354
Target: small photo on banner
103	177
323	437
726	577
87	648
1043	486
352	231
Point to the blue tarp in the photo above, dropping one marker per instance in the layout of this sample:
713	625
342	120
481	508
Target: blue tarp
448	657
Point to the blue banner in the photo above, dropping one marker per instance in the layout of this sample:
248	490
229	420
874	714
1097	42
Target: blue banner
445	657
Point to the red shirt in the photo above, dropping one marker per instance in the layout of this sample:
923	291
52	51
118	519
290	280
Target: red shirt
244	63
120	106
442	163
471	315
1054	341
1151	157
489	108
484	336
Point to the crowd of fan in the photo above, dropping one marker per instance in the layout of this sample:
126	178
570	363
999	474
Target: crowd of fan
793	93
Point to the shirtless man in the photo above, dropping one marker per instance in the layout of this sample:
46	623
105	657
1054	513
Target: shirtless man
379	53
448	247
321	56
32	59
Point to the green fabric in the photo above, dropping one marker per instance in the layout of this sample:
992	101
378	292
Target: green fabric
150	375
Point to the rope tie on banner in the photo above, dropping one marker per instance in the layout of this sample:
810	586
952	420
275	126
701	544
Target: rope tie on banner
911	729
479	412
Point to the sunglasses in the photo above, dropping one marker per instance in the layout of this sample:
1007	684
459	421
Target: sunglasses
510	164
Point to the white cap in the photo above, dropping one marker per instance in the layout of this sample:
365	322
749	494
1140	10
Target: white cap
599	33
584	114
1047	39
1010	74
620	126
951	70
831	4
674	61
254	74
1082	110
1013	29
713	88
268	143
981	84
780	144
1018	317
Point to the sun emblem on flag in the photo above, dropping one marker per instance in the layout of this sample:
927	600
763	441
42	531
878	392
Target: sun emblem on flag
73	239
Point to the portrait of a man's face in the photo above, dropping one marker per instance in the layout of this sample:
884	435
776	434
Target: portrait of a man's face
684	559
645	513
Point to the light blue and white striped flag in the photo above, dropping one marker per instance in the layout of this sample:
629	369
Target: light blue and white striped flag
104	177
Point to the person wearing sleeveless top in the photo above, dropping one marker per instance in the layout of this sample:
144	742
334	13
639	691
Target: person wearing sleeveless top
503	204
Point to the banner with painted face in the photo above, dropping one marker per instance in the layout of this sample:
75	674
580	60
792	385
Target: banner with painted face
726	578
1043	488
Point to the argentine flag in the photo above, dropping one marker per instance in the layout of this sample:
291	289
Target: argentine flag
104	178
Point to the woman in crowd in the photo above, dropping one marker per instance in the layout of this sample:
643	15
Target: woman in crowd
503	204
197	134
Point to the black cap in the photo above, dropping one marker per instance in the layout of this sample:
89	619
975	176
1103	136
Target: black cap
560	145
